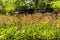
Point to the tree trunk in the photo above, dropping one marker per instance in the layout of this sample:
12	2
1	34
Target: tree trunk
36	3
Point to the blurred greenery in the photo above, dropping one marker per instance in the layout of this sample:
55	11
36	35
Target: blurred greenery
13	6
30	32
56	6
29	27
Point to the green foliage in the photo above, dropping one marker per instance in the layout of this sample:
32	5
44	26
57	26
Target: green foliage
5	24
30	32
11	6
8	5
40	4
7	35
44	5
24	5
30	5
56	6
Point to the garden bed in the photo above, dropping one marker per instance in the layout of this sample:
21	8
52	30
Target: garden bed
29	27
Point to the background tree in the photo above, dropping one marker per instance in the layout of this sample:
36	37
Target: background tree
8	5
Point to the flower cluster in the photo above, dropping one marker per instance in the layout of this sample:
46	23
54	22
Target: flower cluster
37	18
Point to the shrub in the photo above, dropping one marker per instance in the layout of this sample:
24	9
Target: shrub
56	6
41	29
30	32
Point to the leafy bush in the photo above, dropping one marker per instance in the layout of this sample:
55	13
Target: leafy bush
44	5
30	32
8	5
7	35
11	6
24	5
56	6
6	21
31	27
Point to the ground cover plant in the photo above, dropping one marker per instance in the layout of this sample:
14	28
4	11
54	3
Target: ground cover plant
30	27
29	19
